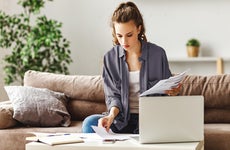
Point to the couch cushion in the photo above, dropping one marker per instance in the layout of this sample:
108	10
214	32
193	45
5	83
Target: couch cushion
38	107
215	89
75	86
192	85
6	115
80	109
212	115
217	136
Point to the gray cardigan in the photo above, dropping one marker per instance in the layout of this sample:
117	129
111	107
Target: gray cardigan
154	67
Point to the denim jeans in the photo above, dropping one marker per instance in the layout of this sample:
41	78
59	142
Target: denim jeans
132	127
90	121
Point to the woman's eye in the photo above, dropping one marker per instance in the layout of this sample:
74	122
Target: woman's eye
129	35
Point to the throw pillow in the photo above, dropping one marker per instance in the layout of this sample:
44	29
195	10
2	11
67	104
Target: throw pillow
38	106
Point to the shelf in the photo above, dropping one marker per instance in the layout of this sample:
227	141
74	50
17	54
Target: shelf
193	59
217	60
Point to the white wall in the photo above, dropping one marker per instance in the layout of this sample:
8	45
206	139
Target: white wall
169	23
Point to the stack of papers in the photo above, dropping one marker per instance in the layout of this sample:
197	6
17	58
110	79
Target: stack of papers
166	84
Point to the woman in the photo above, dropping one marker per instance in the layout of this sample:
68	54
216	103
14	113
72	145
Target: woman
131	67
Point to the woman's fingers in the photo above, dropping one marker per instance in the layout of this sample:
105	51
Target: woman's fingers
105	123
174	91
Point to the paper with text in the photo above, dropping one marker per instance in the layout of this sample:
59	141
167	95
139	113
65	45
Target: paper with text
166	84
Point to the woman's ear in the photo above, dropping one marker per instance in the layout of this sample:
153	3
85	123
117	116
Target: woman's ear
139	29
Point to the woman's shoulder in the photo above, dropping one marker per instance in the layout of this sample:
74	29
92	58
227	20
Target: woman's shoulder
153	49
113	51
153	46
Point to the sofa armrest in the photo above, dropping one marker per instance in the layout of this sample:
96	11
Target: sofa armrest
6	115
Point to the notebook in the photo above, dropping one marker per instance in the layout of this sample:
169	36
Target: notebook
171	119
55	139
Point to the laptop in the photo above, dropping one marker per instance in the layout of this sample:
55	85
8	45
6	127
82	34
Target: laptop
171	119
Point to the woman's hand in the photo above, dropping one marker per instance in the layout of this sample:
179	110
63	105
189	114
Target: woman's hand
174	91
105	122
108	120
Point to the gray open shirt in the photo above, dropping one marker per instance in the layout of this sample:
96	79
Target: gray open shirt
154	67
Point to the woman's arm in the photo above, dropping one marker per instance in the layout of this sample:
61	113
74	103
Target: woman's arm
112	90
111	81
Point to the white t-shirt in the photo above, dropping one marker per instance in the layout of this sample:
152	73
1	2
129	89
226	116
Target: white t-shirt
134	91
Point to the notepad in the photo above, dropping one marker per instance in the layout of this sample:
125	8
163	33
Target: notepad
63	139
55	139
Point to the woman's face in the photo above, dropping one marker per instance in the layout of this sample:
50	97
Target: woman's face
127	34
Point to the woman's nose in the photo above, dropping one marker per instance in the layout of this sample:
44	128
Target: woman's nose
124	40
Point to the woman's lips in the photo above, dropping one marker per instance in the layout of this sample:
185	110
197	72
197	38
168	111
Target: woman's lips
126	46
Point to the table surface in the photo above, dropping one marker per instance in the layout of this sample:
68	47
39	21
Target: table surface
130	144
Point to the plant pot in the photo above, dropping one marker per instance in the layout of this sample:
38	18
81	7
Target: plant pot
192	51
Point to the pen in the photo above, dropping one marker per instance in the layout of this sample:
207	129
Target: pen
58	134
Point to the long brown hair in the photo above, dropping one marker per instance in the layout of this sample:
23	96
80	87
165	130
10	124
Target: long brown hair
124	13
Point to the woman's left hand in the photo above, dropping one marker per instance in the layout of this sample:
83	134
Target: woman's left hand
174	91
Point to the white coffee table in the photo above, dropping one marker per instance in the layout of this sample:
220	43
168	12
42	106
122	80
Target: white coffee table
129	144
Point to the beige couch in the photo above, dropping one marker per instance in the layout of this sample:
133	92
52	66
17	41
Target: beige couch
87	97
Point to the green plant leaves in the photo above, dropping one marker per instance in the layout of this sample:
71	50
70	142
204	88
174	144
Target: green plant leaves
40	46
193	42
33	6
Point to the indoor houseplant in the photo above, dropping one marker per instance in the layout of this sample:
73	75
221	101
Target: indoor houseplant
193	46
36	42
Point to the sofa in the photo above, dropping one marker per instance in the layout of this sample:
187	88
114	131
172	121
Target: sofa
85	97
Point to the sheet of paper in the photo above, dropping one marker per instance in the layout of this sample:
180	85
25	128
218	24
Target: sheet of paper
109	135
166	84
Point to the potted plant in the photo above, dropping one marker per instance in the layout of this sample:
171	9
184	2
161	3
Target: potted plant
36	42
193	46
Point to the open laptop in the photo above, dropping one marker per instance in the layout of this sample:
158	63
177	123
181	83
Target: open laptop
171	119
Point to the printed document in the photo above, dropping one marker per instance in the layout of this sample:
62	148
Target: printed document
109	135
166	84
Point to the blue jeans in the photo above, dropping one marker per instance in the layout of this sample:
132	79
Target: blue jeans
90	121
132	127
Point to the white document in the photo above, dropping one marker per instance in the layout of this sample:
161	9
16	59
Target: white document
109	135
166	84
